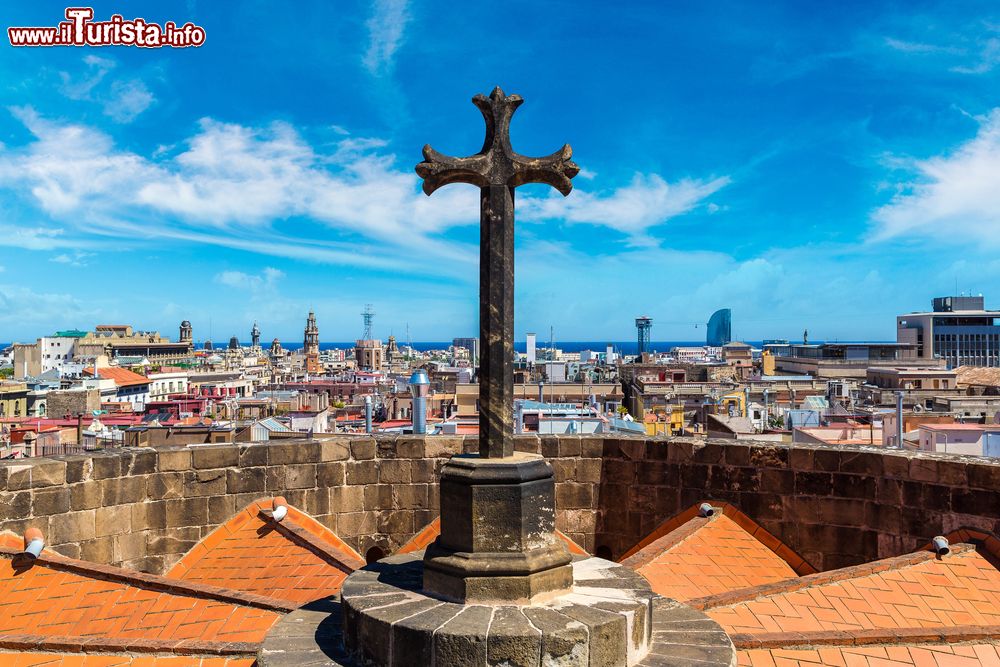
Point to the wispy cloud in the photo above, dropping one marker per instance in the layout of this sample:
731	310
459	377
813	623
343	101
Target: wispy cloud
965	49
76	258
633	210
919	47
267	280
254	189
121	100
385	35
955	196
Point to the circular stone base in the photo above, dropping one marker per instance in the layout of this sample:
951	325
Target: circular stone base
610	617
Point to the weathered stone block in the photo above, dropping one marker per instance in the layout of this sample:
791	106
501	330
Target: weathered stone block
47	502
15	506
47	473
187	512
129	546
409	496
173	459
442	446
214	456
212	482
287	453
78	468
246	480
72	527
363	448
139	462
335	450
331	473
100	550
113	520
513	640
409	447
362	472
347	498
106	466
253	455
300	476
394	471
579	496
123	490
462	640
221	509
378	497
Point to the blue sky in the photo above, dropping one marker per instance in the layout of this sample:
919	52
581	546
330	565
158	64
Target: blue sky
810	165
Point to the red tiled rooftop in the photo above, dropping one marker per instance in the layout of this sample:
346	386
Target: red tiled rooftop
701	556
31	659
298	560
122	376
923	655
915	591
55	596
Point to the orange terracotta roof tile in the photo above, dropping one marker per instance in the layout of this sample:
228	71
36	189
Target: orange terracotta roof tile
32	659
923	655
55	596
122	376
707	556
298	559
916	591
430	532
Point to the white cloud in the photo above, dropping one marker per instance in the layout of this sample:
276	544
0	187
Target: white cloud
955	196
266	189
385	35
267	280
76	258
633	209
127	99
918	47
122	100
987	58
965	49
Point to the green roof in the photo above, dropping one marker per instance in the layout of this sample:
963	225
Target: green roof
71	333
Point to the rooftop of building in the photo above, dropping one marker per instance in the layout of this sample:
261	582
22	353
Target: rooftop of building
122	376
882	599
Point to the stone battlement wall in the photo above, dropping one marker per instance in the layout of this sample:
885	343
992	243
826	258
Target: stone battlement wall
144	508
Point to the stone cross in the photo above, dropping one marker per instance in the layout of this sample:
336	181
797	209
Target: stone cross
496	169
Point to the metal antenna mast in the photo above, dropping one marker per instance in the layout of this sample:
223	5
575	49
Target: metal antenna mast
368	316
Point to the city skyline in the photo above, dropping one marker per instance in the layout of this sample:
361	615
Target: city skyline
812	168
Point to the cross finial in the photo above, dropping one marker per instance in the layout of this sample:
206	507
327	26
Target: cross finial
497	170
497	163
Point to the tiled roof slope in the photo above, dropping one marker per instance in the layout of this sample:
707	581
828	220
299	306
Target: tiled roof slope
925	655
54	604
695	556
298	559
430	532
715	555
920	590
14	659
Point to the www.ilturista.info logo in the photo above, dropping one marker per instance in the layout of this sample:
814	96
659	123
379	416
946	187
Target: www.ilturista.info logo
81	30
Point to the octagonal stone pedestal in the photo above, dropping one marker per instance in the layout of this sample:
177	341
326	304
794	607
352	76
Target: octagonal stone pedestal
498	540
609	618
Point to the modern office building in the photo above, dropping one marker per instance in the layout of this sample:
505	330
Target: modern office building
720	328
643	326
958	330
